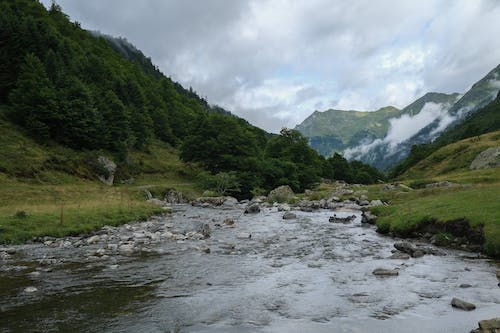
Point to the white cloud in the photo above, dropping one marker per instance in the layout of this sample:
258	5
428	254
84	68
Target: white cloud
255	56
406	126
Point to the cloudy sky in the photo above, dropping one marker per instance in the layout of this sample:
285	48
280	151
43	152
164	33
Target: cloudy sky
275	62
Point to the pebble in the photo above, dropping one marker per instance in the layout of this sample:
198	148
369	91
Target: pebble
385	272
30	289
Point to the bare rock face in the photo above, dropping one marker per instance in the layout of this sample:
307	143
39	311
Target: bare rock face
108	169
280	194
490	158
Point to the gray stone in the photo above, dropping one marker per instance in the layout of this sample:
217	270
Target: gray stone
244	235
385	272
30	289
281	194
284	208
375	203
465	285
368	217
228	221
491	325
487	159
93	239
204	229
289	216
461	304
252	209
109	168
174	197
400	255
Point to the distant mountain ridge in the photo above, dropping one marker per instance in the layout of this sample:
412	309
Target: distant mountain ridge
335	130
420	122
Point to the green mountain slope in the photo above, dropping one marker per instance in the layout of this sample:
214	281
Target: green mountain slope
334	130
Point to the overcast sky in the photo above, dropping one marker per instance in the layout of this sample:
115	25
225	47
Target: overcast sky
275	62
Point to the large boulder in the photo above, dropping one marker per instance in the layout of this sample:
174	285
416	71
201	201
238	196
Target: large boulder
281	194
107	170
490	158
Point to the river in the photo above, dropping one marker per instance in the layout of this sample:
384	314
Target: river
262	274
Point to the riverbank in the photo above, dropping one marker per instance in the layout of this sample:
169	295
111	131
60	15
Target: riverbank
32	210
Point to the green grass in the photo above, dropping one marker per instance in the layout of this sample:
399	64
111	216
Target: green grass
40	181
478	204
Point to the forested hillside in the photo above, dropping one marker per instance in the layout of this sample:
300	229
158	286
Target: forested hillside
65	86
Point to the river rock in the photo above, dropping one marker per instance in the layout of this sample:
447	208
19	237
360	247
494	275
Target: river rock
230	202
461	304
344	220
281	194
252	209
244	235
228	221
465	285
489	326
489	158
204	229
108	169
385	272
400	255
174	197
284	208
368	217
289	216
126	248
30	289
93	239
498	275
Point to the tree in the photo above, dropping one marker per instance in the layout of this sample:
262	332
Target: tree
34	99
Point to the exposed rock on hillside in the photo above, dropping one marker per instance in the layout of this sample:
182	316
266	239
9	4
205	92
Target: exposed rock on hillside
490	158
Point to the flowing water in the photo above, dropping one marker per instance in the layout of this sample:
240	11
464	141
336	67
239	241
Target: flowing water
264	274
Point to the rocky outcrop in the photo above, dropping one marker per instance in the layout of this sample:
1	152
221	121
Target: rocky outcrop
280	194
107	170
490	158
461	304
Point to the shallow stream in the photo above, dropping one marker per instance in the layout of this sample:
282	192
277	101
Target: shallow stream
263	274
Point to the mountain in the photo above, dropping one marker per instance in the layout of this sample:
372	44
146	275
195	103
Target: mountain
483	121
414	119
335	130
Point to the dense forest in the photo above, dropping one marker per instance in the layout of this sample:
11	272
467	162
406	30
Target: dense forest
66	86
483	121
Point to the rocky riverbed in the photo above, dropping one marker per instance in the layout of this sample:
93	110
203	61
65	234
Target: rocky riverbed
216	269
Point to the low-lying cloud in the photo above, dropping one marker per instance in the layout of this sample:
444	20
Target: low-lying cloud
405	127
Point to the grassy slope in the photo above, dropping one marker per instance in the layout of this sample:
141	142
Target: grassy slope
43	181
345	124
477	199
